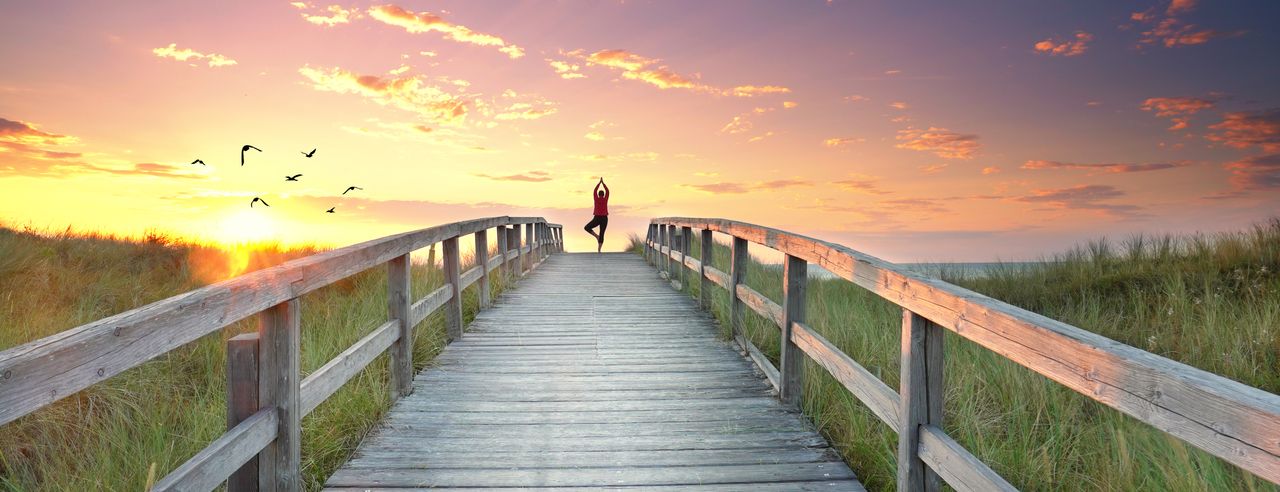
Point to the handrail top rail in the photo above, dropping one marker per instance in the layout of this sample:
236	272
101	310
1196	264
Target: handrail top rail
1228	418
39	372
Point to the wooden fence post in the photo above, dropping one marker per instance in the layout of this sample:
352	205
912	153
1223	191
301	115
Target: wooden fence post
921	397
795	274
242	401
280	463
686	242
398	308
707	253
737	275
501	233
453	308
529	259
482	259
519	250
668	240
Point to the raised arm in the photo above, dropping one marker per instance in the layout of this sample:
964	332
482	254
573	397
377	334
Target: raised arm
606	188
597	190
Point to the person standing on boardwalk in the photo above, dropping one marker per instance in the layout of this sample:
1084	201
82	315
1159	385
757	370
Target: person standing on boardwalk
601	213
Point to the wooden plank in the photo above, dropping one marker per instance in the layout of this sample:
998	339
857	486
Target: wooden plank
399	311
501	257
913	408
961	469
686	241
529	258
213	464
760	304
716	276
40	372
866	387
795	274
453	307
470	277
575	459
762	362
705	260
242	402
280	463
427	305
519	246
800	486
482	262
326	380
737	275
1233	421
588	477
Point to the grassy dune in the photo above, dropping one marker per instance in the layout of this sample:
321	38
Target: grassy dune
1212	302
110	436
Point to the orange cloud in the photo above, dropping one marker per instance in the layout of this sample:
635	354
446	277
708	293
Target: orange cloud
407	93
856	98
1259	172
898	105
1246	129
26	133
1178	109
419	22
184	54
1069	47
565	70
736	188
531	177
651	71
990	170
526	111
1083	197
337	14
753	91
1107	168
842	141
941	141
1167	30
789	104
861	185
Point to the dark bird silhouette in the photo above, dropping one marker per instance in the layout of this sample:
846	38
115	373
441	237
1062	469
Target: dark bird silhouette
198	161
256	200
309	154
330	210
292	178
349	188
246	149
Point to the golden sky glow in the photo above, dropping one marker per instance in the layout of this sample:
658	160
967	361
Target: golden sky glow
911	132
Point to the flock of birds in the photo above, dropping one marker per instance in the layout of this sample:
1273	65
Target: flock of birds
295	177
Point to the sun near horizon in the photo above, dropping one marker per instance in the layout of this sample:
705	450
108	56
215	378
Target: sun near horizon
887	127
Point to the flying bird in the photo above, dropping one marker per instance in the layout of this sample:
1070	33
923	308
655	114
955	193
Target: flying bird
309	154
198	161
246	149
256	200
349	188
330	210
292	178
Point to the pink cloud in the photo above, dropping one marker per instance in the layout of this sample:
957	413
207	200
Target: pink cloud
419	22
1247	129
1074	46
940	141
1105	168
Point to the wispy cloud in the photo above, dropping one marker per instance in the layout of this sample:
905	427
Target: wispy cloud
990	170
898	105
184	54
1104	168
419	22
1247	129
565	69
1165	28
336	14
1259	172
837	142
737	188
410	93
531	177
1083	197
753	90
856	98
940	141
861	185
1177	109
653	72
526	111
1076	45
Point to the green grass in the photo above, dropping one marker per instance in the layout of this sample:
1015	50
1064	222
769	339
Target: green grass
1212	302
109	436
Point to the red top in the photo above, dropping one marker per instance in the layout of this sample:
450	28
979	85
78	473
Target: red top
602	202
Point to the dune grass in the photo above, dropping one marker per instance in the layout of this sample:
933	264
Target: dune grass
1212	302
111	435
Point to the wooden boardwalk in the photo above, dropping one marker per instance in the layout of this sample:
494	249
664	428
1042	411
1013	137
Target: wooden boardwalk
594	374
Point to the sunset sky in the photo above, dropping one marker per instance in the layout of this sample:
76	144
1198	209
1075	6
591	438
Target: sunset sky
913	131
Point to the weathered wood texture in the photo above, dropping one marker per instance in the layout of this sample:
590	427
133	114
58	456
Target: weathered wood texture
1233	421
482	261
452	277
211	466
279	350
242	401
325	381
921	385
40	372
594	374
399	308
795	274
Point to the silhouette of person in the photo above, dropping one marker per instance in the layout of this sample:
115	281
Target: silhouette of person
601	214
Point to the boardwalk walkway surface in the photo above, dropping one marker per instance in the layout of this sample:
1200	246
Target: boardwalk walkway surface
593	374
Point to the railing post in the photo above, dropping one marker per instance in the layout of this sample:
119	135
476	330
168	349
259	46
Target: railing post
668	235
921	397
280	463
706	256
737	275
519	250
242	401
501	233
482	259
453	308
795	274
529	259
398	307
686	242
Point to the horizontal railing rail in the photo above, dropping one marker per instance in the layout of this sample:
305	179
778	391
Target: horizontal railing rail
266	399
1231	420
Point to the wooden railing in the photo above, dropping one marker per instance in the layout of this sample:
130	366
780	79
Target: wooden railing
1233	421
266	399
